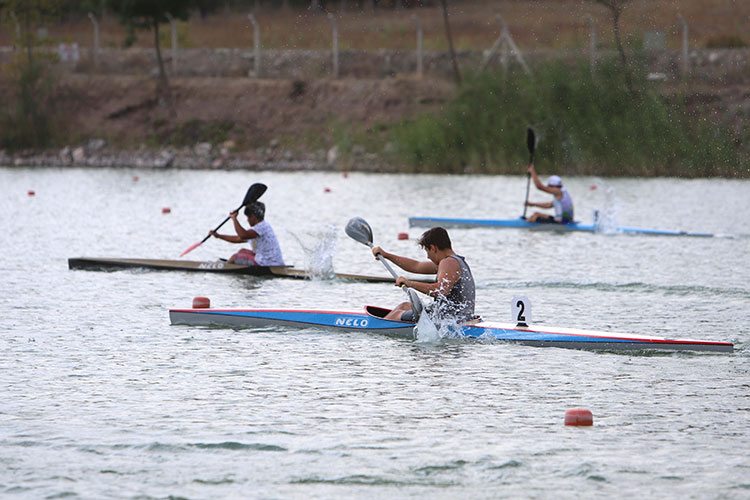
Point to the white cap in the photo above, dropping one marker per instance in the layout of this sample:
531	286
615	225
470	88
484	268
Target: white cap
554	181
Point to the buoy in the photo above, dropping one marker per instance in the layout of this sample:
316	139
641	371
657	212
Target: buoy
403	236
135	178
592	187
31	192
345	175
201	303
579	416
166	210
327	190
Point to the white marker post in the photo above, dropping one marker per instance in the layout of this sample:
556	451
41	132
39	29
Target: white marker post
520	311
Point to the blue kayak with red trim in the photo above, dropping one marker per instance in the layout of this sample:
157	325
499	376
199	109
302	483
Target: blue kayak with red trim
373	321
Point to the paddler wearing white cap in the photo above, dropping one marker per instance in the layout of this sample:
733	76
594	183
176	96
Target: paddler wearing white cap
561	201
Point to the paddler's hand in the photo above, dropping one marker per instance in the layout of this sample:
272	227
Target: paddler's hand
402	281
233	215
376	251
530	169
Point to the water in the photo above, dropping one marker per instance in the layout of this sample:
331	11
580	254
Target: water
102	398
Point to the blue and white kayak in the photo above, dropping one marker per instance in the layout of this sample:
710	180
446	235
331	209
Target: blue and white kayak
372	321
539	226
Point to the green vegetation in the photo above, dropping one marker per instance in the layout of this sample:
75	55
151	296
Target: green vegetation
586	125
28	120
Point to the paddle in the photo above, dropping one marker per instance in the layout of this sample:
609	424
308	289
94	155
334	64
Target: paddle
253	193
359	230
531	144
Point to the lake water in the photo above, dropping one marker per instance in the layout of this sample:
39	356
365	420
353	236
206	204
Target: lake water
102	398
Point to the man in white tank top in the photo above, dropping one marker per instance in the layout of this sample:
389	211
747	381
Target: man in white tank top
561	201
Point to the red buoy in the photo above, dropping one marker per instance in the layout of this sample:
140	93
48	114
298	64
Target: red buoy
345	175
579	416
327	190
166	210
592	187
403	236
31	192
201	303
135	178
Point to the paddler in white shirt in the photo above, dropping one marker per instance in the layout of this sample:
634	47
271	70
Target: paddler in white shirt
561	201
266	250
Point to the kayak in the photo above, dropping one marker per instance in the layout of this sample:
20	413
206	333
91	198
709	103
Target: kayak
540	226
221	267
372	321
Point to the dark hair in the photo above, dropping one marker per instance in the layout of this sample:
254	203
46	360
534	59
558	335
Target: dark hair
257	209
435	236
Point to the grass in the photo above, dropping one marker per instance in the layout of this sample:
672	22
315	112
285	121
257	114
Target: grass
586	125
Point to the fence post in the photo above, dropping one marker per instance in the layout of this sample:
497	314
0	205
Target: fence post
256	45
173	27
335	45
420	66
96	38
18	31
592	43
685	60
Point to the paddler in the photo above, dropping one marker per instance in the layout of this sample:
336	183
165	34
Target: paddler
453	290
266	250
561	201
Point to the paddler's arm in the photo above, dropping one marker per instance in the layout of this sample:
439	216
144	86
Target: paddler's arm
540	185
448	274
407	264
227	237
244	234
540	205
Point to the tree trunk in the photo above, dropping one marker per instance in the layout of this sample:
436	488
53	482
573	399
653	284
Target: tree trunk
450	41
621	49
163	86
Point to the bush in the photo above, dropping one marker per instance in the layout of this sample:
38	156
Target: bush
28	121
585	125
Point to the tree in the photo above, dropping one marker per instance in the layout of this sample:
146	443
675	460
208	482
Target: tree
148	15
616	7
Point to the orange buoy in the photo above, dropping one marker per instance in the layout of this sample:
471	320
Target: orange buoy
201	303
403	236
135	178
592	187
345	175
31	192
327	190
166	210
579	416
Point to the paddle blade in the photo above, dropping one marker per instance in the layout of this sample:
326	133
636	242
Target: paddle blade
358	229
530	142
253	193
416	304
191	248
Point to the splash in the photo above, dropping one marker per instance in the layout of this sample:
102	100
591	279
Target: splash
425	331
319	257
605	219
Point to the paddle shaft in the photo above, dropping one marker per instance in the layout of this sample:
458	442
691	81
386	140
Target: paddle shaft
530	143
219	226
385	263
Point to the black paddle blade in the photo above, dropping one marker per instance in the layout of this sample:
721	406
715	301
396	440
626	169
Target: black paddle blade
358	229
530	142
253	193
